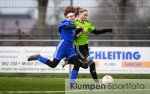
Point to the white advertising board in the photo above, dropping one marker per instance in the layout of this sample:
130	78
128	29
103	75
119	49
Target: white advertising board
134	60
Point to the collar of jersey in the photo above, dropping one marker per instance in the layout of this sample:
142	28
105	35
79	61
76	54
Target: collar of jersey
80	21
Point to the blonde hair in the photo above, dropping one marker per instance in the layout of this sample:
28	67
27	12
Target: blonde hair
79	10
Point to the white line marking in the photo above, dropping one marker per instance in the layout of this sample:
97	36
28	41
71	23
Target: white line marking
22	40
22	92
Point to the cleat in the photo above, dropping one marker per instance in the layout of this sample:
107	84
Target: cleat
33	57
98	84
64	63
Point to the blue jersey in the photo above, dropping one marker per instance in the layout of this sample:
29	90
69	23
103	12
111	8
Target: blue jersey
67	35
65	46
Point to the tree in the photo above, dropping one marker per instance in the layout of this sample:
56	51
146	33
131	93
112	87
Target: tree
122	5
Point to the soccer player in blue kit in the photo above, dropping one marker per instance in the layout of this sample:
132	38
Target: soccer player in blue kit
65	46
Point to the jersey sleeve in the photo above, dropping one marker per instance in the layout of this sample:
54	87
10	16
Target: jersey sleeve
66	24
62	24
91	27
76	23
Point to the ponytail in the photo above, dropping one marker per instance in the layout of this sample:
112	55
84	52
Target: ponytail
77	10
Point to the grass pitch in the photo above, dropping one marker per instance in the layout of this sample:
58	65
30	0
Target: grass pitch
47	85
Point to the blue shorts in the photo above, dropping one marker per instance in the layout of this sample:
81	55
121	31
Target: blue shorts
64	49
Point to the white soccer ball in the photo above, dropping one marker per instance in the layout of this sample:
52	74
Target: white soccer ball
107	79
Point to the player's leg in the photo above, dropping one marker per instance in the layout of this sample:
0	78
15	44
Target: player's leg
74	73
80	55
93	72
44	60
65	62
83	53
37	57
73	58
59	54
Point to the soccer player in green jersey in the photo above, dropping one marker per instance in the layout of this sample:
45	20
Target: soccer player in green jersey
81	40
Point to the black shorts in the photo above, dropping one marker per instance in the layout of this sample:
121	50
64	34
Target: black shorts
82	51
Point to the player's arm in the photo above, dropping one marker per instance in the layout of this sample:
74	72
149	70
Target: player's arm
78	32
93	30
78	29
101	31
69	27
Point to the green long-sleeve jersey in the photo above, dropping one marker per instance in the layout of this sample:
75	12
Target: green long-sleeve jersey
87	27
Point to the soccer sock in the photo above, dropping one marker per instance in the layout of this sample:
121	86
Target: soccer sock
75	70
93	72
74	75
53	63
41	59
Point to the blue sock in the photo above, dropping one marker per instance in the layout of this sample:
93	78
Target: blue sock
41	59
74	75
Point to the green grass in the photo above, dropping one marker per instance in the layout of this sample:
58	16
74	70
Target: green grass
65	75
30	84
54	85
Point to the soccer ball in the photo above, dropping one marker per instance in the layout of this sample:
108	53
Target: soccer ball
107	79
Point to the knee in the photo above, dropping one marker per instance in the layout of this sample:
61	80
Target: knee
88	61
77	64
51	64
85	66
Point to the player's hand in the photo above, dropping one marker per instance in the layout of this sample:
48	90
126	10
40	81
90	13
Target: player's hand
79	28
77	35
78	32
109	30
